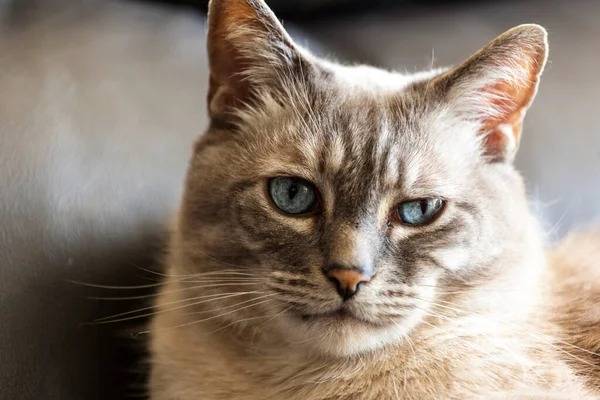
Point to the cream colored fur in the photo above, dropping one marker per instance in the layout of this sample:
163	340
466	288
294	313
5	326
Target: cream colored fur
466	307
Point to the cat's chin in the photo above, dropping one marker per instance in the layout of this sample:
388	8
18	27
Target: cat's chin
342	334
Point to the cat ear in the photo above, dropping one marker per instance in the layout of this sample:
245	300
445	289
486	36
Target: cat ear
249	52
496	86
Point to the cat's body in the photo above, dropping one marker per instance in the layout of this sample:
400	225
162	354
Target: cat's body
401	197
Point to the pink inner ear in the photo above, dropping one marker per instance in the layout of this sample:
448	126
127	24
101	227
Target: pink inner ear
512	100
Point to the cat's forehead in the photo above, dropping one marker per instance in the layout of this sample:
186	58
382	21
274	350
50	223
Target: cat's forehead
364	135
371	79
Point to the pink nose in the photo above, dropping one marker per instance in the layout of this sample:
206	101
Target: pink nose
347	281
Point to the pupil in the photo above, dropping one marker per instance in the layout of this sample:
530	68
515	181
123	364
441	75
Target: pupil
423	204
293	192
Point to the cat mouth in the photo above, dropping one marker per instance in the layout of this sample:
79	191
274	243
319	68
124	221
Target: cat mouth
340	315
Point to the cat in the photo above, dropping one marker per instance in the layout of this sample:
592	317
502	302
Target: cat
351	233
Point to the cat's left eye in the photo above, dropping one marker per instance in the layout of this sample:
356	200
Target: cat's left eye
419	212
292	195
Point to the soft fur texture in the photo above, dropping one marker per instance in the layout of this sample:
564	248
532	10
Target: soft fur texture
463	307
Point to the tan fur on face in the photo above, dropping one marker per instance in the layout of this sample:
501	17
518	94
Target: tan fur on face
459	308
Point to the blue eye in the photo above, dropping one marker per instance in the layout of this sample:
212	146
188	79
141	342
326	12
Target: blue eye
420	212
292	195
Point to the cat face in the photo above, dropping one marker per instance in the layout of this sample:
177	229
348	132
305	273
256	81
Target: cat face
351	197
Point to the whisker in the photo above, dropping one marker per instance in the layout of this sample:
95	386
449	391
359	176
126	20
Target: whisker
432	326
149	296
219	280
277	315
175	302
111	321
222	272
149	270
233	305
213	273
205	319
432	313
133	287
123	298
294	292
467	290
237	322
273	316
220	261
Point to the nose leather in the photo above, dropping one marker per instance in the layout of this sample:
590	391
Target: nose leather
347	280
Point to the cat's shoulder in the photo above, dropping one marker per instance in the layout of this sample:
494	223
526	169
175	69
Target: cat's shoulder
575	261
575	299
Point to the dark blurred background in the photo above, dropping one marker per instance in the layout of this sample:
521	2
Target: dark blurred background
313	10
100	101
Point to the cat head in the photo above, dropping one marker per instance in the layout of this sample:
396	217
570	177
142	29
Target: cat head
352	198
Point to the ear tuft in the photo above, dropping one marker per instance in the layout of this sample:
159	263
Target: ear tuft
496	86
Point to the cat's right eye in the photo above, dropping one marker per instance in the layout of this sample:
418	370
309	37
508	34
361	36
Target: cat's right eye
292	195
420	212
